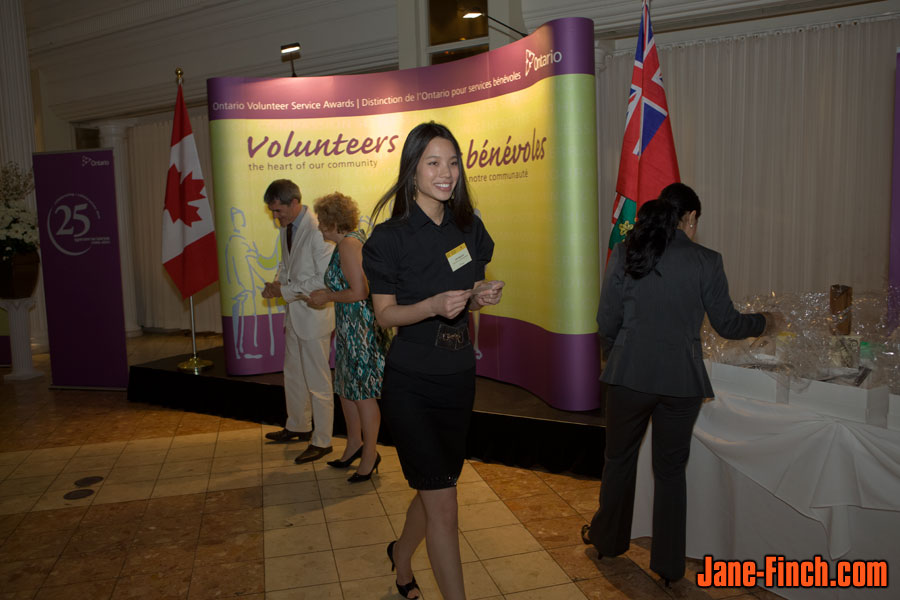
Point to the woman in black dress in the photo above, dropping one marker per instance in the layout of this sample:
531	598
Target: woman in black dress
425	267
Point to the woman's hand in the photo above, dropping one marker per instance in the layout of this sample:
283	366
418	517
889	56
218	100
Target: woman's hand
449	304
487	293
317	298
775	323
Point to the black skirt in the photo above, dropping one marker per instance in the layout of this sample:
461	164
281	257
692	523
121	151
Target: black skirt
428	417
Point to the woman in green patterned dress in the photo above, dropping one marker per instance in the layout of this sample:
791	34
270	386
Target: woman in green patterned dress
360	343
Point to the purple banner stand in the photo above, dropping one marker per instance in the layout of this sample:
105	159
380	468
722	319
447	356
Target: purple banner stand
76	202
254	344
894	256
562	369
550	365
556	48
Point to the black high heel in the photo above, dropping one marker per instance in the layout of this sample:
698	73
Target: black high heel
357	477
343	464
585	534
586	538
390	551
406	588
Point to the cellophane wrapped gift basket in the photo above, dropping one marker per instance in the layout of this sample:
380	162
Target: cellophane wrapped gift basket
839	355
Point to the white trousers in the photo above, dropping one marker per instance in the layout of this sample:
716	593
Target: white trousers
308	390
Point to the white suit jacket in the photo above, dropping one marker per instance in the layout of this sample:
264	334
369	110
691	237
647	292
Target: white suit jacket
302	271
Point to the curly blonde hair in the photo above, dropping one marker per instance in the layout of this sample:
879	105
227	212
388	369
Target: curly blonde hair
337	211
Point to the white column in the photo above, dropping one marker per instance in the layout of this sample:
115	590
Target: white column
17	123
16	114
113	135
22	367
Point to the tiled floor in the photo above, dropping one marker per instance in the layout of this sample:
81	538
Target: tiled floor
195	506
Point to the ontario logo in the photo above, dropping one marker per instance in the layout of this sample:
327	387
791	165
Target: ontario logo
87	161
533	61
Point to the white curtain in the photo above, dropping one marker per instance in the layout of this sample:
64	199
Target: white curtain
787	137
159	304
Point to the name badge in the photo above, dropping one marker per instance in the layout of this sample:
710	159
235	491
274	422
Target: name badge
459	257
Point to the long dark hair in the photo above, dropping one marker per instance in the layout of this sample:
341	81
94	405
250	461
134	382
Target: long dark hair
657	221
403	193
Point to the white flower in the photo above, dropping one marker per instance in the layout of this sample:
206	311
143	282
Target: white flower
18	223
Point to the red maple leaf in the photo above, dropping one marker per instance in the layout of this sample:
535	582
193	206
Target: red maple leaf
180	193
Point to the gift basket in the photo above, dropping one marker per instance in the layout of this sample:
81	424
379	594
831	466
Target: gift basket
848	341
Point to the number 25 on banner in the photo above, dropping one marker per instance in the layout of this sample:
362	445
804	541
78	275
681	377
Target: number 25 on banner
69	222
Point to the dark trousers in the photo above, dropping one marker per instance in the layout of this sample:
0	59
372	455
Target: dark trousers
627	414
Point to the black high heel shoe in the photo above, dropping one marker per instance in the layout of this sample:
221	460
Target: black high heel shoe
357	477
586	538
585	534
406	588
343	464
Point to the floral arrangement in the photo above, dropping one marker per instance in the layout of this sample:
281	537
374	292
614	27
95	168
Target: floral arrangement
18	223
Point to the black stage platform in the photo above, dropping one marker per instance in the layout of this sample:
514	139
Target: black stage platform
510	425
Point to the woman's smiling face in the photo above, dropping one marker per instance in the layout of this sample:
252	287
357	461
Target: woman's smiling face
437	172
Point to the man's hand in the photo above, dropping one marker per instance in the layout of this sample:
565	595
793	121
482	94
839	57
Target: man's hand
272	290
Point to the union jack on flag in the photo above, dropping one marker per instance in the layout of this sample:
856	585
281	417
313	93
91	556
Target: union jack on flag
648	162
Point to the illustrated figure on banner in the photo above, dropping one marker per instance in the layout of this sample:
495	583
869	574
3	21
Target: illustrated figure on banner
246	268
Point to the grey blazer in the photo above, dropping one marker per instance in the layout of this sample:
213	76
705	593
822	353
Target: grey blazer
650	327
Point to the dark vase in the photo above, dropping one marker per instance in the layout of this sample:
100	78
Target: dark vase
19	275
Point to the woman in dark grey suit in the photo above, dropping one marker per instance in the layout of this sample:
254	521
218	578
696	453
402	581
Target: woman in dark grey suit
657	287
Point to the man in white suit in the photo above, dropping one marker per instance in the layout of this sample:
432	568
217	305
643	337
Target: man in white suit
307	330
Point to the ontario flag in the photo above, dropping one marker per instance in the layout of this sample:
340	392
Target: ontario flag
648	162
188	233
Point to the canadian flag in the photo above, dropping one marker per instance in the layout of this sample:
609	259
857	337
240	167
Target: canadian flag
188	232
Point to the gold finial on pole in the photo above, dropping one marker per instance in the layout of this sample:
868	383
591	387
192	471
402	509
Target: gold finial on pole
179	75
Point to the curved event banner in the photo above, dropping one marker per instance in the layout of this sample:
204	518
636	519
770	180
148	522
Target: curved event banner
524	118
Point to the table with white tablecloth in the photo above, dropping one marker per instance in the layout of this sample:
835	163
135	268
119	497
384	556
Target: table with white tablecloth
767	478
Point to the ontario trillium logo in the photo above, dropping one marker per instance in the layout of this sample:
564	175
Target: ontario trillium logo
87	161
533	61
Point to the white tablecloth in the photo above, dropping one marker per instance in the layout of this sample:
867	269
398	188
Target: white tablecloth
768	478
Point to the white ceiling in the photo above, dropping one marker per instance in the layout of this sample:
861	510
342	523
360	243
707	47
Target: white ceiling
55	24
97	59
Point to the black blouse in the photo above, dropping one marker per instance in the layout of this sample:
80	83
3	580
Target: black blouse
408	258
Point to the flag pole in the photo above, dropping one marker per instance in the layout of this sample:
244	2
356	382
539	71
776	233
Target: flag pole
194	364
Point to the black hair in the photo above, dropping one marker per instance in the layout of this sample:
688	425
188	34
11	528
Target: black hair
657	221
282	191
403	192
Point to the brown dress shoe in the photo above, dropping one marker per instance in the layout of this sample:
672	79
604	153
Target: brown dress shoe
286	435
312	453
